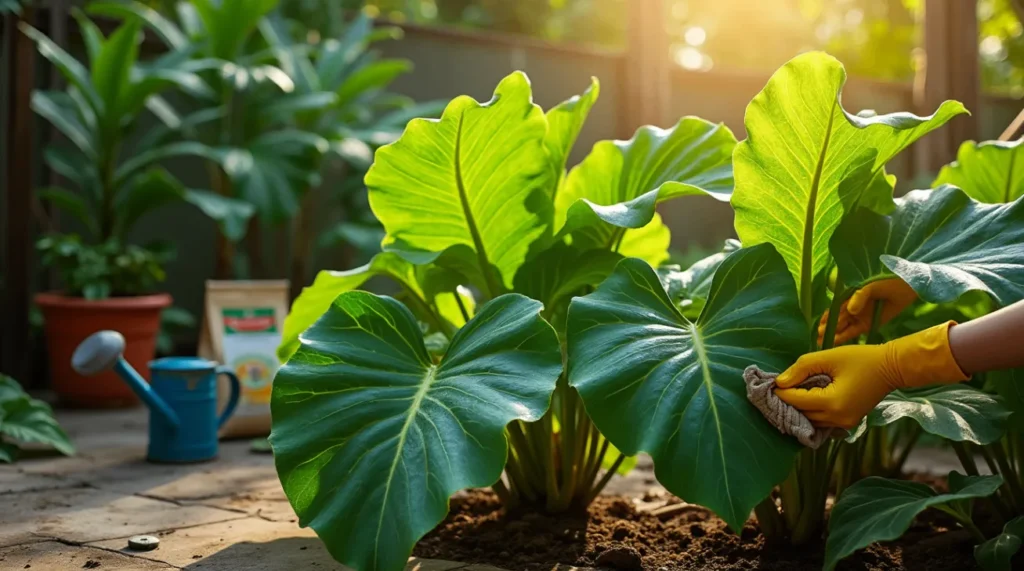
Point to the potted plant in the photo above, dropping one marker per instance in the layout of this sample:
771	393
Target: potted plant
108	283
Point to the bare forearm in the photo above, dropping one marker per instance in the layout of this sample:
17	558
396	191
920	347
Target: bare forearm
990	343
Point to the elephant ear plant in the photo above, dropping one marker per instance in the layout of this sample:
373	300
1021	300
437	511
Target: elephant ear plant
812	202
387	406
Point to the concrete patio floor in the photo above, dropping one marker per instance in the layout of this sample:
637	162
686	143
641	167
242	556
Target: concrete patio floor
59	513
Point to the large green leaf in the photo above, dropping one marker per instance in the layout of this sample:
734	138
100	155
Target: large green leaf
655	382
954	412
649	243
1009	385
371	437
991	172
997	553
806	162
565	121
70	203
877	509
478	177
164	28
316	299
940	242
619	183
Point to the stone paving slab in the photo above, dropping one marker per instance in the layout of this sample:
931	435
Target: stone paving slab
13	481
53	556
82	515
221	546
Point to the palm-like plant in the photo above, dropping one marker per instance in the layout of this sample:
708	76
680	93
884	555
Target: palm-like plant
257	153
362	116
98	114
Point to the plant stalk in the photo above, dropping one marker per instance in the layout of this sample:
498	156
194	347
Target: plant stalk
607	477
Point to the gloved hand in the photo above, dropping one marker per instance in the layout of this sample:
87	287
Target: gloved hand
856	313
863	374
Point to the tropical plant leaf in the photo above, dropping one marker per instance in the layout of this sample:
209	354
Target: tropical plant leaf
274	170
955	412
655	382
390	433
73	71
316	299
997	553
806	162
166	30
231	215
940	242
565	121
71	203
877	509
618	185
374	75
649	243
1009	385
689	288
48	104
562	271
112	69
8	452
26	419
477	177
990	172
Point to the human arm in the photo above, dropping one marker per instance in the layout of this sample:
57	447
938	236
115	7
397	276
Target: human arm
863	374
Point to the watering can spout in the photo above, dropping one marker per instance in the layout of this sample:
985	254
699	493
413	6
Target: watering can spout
102	351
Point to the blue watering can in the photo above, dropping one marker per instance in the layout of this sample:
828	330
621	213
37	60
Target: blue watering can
182	397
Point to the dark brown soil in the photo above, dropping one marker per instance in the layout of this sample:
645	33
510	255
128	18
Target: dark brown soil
615	535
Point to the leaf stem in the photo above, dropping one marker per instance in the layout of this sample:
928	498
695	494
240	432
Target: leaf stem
829	337
965	458
874	337
607	478
462	306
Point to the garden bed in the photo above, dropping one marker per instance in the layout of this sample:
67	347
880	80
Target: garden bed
616	534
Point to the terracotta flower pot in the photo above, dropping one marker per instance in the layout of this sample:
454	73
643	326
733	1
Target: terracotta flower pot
69	320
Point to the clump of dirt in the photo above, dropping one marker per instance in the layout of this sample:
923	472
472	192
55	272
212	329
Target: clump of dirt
613	534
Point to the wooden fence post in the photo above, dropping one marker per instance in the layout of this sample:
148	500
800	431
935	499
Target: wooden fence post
647	72
15	356
952	71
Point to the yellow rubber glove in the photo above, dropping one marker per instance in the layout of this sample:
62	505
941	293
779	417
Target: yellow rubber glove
863	374
856	313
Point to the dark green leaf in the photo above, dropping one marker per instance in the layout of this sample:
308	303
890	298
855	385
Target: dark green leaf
70	203
92	37
376	75
653	381
997	553
992	172
8	452
689	289
47	104
955	412
371	437
563	271
154	189
26	419
164	28
113	67
74	72
876	509
231	215
940	242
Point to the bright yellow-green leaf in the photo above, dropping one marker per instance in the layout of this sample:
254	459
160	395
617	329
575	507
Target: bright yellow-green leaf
807	162
991	172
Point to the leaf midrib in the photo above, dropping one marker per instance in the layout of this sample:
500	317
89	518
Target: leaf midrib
807	261
414	409
474	232
702	358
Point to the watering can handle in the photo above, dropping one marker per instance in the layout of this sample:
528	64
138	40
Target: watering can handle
236	389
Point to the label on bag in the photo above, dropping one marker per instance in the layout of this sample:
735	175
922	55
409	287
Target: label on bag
251	337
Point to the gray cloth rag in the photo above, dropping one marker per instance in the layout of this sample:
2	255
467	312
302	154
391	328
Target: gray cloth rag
786	418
